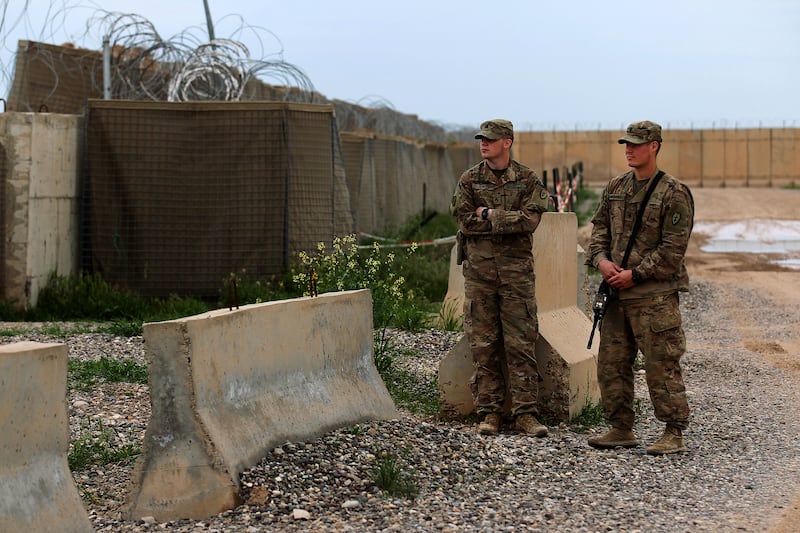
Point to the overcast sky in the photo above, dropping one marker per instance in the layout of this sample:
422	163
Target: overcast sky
584	64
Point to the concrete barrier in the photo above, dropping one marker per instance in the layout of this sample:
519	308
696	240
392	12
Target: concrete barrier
37	492
226	387
40	202
568	369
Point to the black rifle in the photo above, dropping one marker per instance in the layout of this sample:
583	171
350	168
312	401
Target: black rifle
604	290
599	307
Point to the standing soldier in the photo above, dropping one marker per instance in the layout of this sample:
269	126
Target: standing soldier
498	205
645	277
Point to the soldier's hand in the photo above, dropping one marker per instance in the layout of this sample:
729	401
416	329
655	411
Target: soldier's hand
608	269
622	280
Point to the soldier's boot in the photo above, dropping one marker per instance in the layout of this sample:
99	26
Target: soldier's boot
614	438
527	423
670	442
490	424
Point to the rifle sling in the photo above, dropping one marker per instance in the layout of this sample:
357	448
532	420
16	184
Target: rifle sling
638	222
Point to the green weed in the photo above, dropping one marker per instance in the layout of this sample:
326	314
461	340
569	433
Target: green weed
389	476
83	375
591	415
98	449
450	317
417	393
347	267
89	297
383	355
122	328
13	332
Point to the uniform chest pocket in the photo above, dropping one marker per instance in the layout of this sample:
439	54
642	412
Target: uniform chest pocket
616	212
485	193
652	213
514	193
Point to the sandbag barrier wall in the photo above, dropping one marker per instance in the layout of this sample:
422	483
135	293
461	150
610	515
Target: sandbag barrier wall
37	492
227	387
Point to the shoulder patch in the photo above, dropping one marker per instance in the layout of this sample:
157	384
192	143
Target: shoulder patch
676	217
543	194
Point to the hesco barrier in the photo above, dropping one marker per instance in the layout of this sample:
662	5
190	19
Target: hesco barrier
227	387
567	368
179	195
748	157
37	492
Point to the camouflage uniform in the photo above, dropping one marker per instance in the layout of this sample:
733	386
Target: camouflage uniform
646	316
500	306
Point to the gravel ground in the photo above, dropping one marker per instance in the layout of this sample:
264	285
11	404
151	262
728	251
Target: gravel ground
740	473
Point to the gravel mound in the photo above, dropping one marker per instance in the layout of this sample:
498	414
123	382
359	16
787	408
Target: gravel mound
740	473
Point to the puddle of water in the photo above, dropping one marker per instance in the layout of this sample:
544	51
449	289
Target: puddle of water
794	264
754	236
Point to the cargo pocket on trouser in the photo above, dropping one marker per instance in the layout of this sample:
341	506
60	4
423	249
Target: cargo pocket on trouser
668	345
664	377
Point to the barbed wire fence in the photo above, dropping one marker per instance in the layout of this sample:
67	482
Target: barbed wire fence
147	66
144	65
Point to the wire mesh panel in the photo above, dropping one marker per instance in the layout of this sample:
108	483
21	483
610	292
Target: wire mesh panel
56	79
180	195
440	183
359	163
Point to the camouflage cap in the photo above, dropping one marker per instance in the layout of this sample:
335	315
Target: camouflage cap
641	132
496	129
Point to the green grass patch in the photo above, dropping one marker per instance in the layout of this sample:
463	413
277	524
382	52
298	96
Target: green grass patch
425	226
89	297
417	393
591	416
98	448
13	332
83	375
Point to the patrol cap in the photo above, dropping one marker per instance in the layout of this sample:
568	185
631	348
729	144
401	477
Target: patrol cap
496	129
641	132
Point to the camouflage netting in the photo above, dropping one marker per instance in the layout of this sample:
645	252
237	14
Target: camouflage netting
179	195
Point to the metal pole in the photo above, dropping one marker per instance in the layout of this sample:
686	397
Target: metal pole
106	68
208	21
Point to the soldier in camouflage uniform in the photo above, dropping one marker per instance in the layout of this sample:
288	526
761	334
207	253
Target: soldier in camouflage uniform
498	204
643	312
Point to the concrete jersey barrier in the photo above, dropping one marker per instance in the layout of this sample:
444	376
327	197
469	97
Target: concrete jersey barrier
567	368
227	387
37	492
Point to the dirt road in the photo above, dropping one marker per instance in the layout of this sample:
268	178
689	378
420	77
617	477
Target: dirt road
780	286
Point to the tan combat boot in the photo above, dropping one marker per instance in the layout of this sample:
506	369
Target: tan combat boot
613	438
490	425
670	442
527	423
